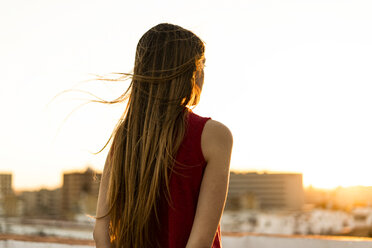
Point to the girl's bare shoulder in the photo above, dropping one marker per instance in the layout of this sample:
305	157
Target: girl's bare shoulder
216	137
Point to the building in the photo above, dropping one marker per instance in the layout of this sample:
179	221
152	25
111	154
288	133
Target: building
265	191
79	188
42	204
5	184
8	201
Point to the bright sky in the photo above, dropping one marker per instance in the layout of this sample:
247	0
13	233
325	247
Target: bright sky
291	79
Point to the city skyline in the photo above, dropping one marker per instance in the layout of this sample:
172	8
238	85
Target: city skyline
257	203
246	189
90	167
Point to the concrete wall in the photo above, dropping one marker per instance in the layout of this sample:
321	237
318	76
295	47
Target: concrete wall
228	241
270	241
22	244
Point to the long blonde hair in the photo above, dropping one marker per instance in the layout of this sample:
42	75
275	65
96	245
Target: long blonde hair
150	131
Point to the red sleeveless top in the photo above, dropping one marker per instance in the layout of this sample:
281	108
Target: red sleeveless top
184	189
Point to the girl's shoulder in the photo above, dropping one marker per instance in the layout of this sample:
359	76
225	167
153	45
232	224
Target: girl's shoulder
216	137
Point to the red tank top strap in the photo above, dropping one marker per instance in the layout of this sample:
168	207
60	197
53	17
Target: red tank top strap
194	128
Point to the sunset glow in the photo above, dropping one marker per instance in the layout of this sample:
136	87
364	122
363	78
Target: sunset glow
292	81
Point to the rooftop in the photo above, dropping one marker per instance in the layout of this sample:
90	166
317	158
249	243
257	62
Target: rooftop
228	240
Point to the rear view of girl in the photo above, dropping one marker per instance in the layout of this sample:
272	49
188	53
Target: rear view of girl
166	176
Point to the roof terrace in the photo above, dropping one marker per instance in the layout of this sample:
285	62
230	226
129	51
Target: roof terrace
229	240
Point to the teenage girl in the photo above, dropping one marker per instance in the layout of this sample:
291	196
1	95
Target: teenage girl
166	176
